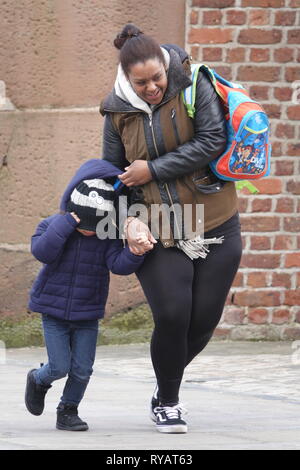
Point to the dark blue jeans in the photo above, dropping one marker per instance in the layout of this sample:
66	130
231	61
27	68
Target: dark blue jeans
71	348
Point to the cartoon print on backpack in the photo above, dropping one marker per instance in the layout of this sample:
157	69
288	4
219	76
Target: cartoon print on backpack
248	151
249	155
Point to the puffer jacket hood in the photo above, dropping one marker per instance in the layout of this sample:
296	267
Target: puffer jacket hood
74	280
181	52
94	168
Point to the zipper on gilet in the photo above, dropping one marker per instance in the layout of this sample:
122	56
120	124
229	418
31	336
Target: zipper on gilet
167	189
174	123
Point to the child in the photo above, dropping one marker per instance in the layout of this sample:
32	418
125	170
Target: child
72	287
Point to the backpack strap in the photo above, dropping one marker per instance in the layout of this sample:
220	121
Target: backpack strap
189	99
246	184
189	93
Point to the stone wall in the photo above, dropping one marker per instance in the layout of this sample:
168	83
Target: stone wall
57	64
256	43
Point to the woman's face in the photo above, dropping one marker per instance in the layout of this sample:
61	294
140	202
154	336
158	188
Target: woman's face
149	80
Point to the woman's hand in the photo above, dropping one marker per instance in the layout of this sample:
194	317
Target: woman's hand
139	238
136	174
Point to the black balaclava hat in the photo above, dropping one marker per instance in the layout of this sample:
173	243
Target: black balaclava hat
88	197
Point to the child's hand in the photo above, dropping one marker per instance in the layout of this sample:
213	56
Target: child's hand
142	238
134	227
143	241
75	216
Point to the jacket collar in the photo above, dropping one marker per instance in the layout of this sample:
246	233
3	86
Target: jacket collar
177	81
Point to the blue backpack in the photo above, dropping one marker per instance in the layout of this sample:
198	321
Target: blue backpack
248	151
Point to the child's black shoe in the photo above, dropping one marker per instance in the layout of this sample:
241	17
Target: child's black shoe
68	419
35	395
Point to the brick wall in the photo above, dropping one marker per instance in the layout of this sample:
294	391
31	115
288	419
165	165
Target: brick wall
256	42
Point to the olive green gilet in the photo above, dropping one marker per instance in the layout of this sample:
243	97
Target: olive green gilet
218	207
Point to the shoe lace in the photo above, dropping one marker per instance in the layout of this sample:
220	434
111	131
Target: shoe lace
172	412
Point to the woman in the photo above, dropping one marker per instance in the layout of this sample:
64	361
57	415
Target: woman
165	155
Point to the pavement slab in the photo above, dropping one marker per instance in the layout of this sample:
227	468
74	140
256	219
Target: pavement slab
239	395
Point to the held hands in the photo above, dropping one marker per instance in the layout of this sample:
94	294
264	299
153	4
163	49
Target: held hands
139	237
136	174
140	240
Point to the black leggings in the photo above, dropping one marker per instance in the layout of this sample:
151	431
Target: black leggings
187	298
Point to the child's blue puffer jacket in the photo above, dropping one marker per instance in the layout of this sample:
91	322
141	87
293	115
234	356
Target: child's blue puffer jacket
73	283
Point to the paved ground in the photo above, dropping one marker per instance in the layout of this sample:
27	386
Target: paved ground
240	395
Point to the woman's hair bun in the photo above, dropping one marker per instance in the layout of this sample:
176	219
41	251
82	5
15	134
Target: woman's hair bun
129	31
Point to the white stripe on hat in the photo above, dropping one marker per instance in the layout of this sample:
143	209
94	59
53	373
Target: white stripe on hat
99	184
96	203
